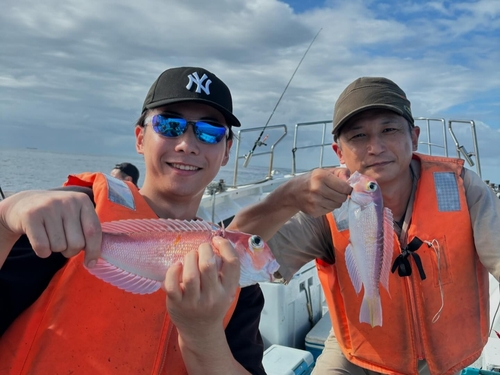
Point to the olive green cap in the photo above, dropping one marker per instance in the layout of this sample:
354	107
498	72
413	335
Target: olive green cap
370	93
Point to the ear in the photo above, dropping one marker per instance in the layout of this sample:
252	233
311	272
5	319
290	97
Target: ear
139	139
415	133
128	178
338	151
229	143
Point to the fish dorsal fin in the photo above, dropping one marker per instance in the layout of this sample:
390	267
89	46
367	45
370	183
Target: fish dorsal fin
124	280
388	248
157	225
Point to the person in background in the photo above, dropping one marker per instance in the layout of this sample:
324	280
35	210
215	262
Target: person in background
126	172
446	221
58	318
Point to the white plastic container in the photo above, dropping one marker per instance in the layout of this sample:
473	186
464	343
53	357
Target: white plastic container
315	339
282	360
290	311
491	355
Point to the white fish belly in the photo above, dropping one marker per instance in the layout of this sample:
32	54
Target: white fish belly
367	241
142	255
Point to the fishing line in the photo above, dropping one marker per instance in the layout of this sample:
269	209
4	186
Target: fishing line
257	142
434	244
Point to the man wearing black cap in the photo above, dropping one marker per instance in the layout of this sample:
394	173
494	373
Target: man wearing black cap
446	220
126	172
56	317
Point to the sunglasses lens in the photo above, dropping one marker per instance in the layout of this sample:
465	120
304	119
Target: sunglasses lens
169	127
205	131
210	133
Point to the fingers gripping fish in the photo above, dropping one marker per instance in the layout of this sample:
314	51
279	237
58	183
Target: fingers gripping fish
369	254
135	254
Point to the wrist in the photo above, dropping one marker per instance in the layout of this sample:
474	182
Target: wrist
203	346
201	339
289	203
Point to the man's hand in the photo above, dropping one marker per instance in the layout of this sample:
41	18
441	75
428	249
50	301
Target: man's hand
315	193
199	293
320	191
55	221
201	290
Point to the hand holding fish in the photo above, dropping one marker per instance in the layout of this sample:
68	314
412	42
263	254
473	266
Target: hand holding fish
54	221
315	193
201	290
199	293
320	191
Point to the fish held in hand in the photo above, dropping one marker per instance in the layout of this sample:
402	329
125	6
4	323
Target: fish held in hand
135	254
369	254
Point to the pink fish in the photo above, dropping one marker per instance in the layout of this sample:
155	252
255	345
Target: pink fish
369	255
136	254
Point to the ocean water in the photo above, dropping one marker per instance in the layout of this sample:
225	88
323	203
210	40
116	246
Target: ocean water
28	169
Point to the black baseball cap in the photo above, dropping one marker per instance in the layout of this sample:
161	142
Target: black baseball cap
186	84
370	93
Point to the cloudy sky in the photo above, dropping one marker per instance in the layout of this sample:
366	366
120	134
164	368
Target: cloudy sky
74	73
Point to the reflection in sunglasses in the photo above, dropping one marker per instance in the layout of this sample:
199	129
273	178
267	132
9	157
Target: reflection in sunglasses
206	131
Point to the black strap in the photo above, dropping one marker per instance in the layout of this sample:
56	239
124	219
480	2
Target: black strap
402	263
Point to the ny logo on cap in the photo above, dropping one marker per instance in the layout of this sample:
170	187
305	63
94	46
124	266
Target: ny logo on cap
193	78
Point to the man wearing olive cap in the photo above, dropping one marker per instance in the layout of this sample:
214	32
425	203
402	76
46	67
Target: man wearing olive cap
435	313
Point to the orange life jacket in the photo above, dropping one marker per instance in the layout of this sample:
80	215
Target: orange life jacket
82	325
407	334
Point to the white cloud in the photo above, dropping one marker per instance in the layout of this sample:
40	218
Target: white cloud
74	74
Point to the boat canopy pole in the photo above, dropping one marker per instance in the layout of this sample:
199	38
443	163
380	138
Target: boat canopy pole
258	142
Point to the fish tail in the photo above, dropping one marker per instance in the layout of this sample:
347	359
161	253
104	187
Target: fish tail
371	311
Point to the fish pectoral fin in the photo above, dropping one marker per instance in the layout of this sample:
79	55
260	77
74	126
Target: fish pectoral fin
123	279
342	213
352	268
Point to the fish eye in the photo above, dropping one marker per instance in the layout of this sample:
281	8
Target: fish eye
256	242
372	186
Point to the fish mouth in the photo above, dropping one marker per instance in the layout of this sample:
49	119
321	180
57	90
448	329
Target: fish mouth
354	178
272	267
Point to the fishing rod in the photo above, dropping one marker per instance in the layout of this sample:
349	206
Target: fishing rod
258	142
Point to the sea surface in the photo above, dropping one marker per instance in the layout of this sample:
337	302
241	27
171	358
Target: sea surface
29	169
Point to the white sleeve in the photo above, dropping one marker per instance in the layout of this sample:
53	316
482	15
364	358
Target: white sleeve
484	209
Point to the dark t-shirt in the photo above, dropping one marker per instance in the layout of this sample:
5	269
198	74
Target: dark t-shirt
24	276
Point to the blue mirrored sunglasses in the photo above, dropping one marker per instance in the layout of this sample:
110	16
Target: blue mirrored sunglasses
205	131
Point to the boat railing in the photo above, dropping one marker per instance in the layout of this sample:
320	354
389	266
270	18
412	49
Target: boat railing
460	148
259	143
324	124
461	151
299	140
429	142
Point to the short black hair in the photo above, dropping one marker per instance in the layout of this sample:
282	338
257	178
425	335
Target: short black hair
130	170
